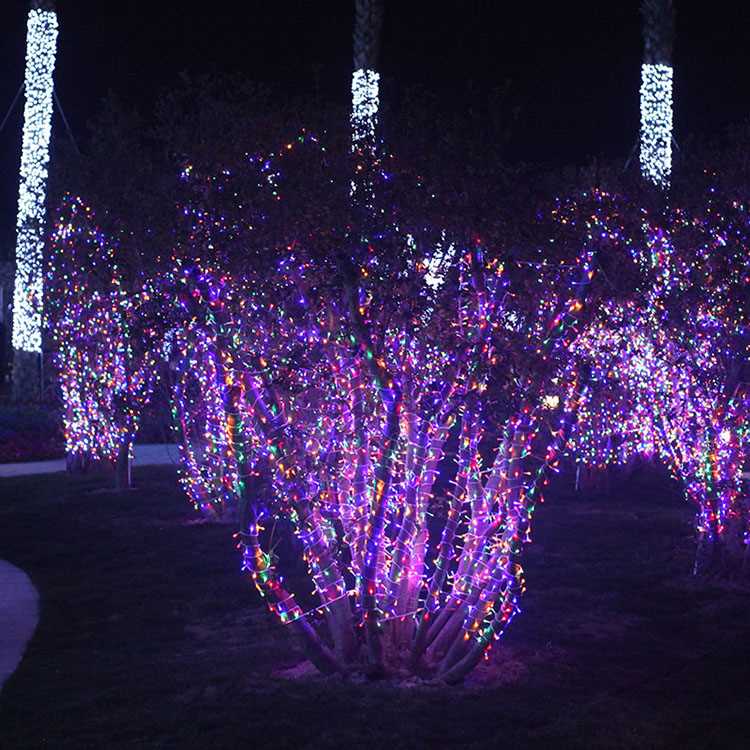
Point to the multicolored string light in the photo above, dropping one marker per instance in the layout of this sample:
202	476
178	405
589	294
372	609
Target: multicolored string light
105	342
667	366
399	415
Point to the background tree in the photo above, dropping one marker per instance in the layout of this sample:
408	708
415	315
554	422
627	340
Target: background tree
669	373
106	342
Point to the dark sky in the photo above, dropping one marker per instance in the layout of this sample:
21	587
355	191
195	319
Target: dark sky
573	66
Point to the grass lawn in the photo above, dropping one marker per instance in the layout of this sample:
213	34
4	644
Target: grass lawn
150	638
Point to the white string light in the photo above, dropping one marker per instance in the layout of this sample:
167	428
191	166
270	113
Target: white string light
656	123
439	263
37	124
365	103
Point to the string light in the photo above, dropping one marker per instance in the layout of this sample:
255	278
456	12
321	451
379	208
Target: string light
345	446
656	123
365	104
662	365
364	117
325	396
106	350
439	263
386	449
40	64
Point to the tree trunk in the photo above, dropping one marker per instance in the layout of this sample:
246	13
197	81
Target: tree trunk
368	21
27	297
721	556
76	463
122	467
656	92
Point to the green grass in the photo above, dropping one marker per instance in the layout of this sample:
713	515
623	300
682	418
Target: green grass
150	638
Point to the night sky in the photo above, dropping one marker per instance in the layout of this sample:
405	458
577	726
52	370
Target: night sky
573	67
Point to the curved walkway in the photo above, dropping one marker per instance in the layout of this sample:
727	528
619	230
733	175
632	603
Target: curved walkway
19	614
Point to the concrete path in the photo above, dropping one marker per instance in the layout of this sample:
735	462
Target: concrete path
19	614
149	454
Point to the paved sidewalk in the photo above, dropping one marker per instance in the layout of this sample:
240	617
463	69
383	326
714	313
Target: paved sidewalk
19	614
149	454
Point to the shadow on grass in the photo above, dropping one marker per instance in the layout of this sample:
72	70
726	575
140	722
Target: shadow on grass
150	638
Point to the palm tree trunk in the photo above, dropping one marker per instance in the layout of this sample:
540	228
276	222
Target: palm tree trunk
27	297
656	92
368	19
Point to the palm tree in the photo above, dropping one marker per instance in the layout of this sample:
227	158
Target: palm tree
368	21
656	92
27	298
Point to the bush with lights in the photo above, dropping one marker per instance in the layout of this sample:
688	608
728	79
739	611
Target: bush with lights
395	396
669	368
106	340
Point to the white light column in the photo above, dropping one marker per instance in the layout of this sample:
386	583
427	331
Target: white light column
656	124
364	118
37	124
365	102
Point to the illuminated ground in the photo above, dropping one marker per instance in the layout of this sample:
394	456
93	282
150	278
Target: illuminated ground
149	637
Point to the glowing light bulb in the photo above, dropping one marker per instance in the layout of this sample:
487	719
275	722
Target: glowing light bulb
551	401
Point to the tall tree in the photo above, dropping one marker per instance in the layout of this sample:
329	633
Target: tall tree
368	21
669	366
656	91
330	414
105	346
27	300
